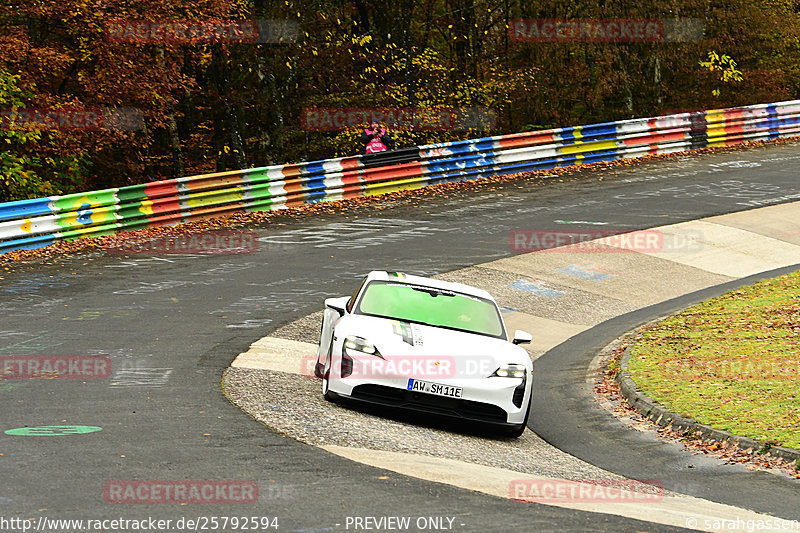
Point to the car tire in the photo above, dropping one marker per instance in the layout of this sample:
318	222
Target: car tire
517	431
318	367
326	375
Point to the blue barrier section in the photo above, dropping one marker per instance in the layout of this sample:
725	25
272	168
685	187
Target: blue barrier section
317	167
25	209
40	241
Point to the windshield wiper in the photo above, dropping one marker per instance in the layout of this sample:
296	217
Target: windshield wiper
434	292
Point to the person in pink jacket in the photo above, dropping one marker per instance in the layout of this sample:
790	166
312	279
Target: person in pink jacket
376	139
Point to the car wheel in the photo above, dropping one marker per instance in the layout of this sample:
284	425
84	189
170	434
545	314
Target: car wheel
326	376
517	431
318	368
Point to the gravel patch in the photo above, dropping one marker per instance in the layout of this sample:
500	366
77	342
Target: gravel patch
573	307
305	329
293	405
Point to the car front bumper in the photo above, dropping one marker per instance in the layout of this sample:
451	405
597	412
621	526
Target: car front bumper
490	400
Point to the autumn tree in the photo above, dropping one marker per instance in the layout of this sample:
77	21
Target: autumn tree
212	105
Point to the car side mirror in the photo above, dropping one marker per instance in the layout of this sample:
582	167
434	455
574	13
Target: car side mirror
522	337
336	304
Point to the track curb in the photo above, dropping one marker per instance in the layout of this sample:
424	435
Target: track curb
657	413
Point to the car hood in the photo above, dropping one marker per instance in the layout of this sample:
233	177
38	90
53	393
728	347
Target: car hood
394	338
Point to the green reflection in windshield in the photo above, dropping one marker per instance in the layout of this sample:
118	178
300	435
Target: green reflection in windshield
431	306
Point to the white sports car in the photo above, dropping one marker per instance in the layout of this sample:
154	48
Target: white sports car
426	345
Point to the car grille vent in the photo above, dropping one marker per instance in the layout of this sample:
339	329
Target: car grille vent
467	409
519	394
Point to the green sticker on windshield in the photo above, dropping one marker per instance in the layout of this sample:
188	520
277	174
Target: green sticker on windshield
51	431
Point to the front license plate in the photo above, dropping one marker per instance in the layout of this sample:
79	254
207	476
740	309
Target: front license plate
435	388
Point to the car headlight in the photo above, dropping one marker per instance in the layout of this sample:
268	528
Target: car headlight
510	371
357	344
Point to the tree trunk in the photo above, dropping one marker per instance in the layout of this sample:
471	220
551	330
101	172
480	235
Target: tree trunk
178	167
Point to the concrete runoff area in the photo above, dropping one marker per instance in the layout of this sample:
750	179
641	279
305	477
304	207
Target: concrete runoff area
542	283
774	223
663	508
635	278
729	251
549	332
281	355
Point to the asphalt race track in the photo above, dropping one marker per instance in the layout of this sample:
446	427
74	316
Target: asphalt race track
171	324
569	421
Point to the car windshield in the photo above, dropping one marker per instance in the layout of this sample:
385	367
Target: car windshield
431	306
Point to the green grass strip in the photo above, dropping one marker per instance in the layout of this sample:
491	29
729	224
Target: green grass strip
732	362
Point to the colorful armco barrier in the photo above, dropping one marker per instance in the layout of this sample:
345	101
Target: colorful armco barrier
42	221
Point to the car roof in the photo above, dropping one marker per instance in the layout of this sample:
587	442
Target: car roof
400	277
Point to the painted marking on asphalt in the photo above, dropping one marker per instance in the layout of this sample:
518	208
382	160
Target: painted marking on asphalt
140	377
355	234
720	189
125	353
590	223
33	284
147	288
225	268
7	334
52	431
736	164
36	344
125	312
6	387
584	272
278	302
29	305
140	261
250	324
536	287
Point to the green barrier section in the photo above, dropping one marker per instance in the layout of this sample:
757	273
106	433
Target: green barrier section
72	202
